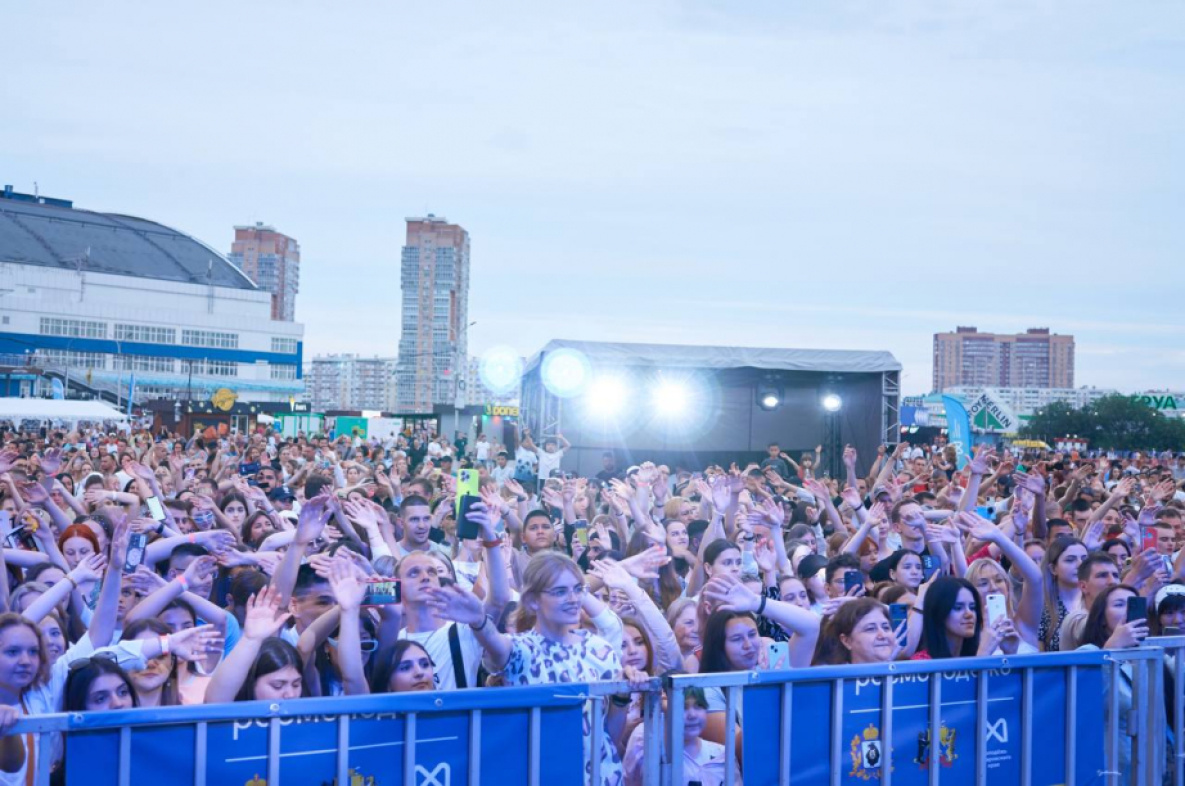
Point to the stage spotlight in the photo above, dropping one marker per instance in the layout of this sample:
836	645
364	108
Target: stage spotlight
566	372
769	395
671	398
606	396
501	370
832	402
770	401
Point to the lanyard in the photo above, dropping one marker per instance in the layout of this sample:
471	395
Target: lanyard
30	751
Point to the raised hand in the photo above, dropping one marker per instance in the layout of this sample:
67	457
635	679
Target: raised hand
314	515
978	527
721	493
727	593
90	569
263	617
51	461
1031	482
981	464
766	557
646	564
346	583
612	574
456	604
1124	487
196	643
142	472
8	459
146	580
849	458
34	493
852	497
200	569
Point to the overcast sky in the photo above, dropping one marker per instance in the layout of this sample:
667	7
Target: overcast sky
765	173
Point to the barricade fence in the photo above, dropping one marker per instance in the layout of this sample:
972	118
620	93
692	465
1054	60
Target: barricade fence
1085	717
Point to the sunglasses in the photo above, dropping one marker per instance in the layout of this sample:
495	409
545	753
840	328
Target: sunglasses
367	645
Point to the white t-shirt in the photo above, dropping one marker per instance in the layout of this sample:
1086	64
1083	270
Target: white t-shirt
436	643
483	450
502	474
525	462
549	462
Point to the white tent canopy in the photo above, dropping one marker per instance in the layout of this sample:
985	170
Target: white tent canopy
18	409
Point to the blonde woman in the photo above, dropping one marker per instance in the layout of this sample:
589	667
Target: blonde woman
556	650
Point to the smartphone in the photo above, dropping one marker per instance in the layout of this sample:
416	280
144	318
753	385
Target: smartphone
581	527
21	537
1170	630
749	564
137	543
466	528
898	613
779	655
997	607
929	567
155	509
381	592
5	520
1137	608
1148	538
851	580
468	483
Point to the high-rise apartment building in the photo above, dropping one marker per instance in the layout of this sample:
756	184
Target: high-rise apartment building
334	382
272	260
433	345
1033	359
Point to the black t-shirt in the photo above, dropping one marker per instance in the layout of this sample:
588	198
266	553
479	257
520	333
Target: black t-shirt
780	465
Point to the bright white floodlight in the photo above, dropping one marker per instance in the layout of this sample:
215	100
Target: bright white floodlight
606	396
671	399
566	372
832	402
769	401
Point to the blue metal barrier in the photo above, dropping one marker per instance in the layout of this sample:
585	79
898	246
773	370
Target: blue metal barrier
528	736
994	720
1033	720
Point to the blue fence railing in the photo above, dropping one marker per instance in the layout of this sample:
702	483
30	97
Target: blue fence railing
1085	717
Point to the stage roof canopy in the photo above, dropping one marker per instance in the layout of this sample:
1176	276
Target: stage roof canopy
683	356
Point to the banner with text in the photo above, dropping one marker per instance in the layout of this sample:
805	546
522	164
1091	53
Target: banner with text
866	751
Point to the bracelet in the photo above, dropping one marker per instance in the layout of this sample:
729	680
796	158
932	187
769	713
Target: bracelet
192	537
761	606
70	579
620	701
184	582
489	544
481	627
915	608
164	645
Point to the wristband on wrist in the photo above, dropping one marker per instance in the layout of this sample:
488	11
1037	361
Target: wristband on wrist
192	537
489	544
761	606
184	582
484	621
70	579
164	645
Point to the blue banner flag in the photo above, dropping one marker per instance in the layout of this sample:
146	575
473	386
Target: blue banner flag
59	392
958	425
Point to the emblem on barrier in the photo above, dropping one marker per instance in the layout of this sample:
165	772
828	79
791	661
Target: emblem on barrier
868	754
355	779
946	747
440	775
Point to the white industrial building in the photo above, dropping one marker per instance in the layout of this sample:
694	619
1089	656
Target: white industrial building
96	298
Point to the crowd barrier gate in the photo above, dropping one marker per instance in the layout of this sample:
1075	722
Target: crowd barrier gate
531	736
1034	720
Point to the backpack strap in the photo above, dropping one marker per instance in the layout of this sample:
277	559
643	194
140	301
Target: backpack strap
454	647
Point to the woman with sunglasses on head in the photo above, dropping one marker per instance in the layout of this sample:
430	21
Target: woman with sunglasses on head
341	661
556	649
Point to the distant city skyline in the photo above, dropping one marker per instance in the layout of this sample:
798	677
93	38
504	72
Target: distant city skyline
846	175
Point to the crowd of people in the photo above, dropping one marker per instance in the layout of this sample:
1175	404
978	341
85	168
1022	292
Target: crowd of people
148	569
